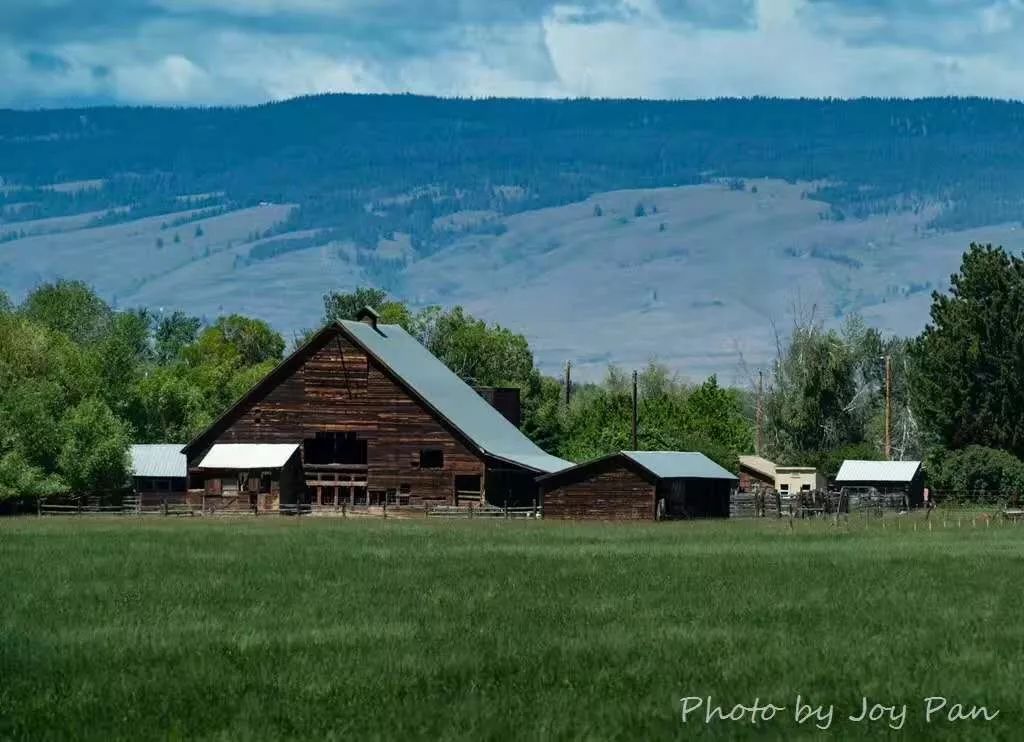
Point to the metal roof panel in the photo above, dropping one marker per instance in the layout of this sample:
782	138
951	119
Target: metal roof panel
759	464
451	396
679	465
158	460
877	471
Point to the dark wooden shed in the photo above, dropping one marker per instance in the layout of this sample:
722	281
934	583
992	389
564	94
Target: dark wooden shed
639	485
901	483
158	473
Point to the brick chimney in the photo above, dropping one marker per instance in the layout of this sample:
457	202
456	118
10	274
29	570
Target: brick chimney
505	400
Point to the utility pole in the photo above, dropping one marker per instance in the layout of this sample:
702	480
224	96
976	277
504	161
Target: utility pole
635	447
760	413
888	407
568	381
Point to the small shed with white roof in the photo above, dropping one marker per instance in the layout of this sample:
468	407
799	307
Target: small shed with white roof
260	476
887	477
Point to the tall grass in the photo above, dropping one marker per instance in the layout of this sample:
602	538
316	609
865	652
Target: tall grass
306	628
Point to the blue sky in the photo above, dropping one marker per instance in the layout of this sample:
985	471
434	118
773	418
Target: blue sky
69	52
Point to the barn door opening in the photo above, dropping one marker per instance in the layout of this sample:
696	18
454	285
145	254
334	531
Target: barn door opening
467	489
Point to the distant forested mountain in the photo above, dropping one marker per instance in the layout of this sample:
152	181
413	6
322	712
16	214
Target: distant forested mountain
364	167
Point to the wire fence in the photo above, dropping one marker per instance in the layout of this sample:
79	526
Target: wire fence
871	501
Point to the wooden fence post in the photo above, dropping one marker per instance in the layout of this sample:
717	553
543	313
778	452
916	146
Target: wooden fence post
385	505
165	505
535	507
471	510
39	506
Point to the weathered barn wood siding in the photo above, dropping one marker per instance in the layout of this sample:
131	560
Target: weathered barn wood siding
157	490
617	494
340	389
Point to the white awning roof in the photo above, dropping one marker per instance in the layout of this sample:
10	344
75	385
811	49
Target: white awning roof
248	455
877	471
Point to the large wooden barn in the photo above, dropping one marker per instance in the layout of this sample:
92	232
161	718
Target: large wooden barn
639	485
363	414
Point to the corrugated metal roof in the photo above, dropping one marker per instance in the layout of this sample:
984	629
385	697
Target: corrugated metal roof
248	455
158	460
679	464
877	471
759	464
452	397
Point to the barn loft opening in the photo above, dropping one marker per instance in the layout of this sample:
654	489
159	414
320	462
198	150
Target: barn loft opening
334	448
431	458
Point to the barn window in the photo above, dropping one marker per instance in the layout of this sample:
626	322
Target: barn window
431	458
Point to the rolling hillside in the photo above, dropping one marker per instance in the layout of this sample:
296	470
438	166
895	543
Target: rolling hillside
608	231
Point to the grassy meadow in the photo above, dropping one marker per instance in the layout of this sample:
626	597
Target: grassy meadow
117	628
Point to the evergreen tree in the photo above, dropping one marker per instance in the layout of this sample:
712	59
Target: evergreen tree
969	361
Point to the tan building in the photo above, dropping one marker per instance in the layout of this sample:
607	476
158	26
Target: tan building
792	479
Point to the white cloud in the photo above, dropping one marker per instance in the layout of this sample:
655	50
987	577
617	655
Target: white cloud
232	51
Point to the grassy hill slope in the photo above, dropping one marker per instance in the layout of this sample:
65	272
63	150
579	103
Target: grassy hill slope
859	206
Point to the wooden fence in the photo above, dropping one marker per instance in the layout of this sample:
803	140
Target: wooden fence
482	511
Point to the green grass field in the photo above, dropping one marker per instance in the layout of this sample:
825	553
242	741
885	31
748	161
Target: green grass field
347	629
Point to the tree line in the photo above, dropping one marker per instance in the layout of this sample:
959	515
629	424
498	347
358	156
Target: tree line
80	381
361	167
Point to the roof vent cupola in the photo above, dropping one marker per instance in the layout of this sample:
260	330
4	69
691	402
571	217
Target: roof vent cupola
368	316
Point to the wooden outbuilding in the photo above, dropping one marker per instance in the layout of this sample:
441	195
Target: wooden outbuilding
373	418
756	474
159	473
639	485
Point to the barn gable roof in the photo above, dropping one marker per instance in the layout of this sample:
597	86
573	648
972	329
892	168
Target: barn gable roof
423	376
679	465
651	465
